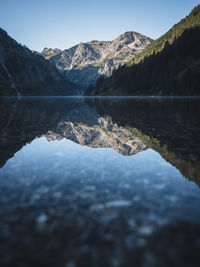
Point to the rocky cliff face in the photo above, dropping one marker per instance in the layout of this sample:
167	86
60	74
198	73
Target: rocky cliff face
86	62
23	72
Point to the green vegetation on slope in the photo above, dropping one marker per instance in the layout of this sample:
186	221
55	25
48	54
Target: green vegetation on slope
192	20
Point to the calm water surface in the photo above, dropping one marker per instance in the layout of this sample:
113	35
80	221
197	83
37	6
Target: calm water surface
99	181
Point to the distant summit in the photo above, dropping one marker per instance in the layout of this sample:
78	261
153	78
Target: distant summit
48	52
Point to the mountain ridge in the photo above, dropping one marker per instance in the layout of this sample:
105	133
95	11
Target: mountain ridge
85	62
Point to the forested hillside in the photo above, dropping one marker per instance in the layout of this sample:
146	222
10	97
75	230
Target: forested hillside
23	72
170	66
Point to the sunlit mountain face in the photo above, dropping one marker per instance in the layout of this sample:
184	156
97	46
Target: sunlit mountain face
107	178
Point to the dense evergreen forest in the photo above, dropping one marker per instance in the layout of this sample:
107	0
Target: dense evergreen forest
169	66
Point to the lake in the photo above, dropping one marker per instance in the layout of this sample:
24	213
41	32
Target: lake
105	181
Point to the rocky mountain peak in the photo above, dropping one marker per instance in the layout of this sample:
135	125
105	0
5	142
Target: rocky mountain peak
127	36
86	62
132	40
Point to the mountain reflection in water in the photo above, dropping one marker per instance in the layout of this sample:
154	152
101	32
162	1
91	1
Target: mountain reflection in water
108	206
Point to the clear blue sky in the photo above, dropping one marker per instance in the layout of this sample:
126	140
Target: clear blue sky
64	23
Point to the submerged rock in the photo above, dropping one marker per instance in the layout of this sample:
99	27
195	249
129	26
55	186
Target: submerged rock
118	204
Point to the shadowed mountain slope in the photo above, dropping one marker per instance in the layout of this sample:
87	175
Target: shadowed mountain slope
23	72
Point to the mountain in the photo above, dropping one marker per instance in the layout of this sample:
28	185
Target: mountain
169	66
86	62
23	72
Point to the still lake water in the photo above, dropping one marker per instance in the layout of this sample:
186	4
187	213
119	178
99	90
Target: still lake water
99	181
